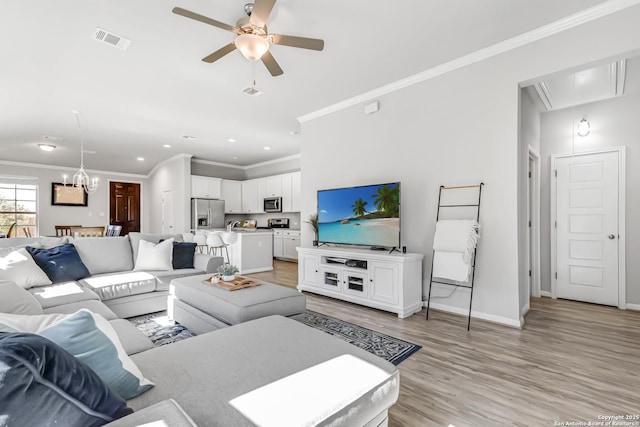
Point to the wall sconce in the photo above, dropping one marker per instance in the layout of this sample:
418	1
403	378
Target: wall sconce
584	128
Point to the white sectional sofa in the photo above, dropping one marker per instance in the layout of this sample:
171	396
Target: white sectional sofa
211	379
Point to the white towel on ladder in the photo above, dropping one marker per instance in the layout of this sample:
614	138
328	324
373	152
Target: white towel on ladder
453	244
451	265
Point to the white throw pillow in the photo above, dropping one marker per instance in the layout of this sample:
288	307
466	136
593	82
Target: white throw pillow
153	256
17	265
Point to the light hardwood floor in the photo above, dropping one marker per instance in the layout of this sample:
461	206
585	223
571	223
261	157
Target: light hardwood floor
571	362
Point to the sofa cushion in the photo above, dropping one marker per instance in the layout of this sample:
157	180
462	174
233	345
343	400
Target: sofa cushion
154	256
135	238
17	300
61	263
118	285
17	265
62	293
132	339
44	385
93	306
92	251
91	339
183	253
165	413
164	278
45	242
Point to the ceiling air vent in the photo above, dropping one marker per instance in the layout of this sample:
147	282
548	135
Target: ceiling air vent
252	91
111	38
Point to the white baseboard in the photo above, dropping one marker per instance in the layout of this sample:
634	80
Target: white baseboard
632	306
477	314
545	294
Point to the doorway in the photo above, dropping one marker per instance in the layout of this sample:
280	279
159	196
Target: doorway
588	227
533	218
124	206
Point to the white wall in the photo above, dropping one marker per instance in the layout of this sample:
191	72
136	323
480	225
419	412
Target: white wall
614	123
461	127
529	137
173	175
97	211
275	167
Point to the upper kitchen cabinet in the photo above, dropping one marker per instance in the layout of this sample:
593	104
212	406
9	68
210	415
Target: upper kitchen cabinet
205	187
231	193
250	196
296	193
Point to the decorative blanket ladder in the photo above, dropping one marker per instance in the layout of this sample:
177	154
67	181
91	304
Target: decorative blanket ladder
472	206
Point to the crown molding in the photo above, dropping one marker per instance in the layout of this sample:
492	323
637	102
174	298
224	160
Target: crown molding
591	14
67	168
255	165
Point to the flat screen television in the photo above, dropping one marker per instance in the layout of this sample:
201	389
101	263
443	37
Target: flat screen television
368	215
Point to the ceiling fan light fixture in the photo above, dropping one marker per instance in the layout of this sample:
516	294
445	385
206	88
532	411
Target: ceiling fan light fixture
252	46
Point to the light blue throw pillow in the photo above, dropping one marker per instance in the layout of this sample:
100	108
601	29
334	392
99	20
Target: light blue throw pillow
80	335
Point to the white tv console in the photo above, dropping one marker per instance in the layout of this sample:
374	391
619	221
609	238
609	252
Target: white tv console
390	282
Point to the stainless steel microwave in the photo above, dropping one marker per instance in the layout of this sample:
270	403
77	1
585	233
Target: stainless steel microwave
272	204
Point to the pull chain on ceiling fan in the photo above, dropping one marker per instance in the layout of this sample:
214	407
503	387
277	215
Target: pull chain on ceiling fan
253	39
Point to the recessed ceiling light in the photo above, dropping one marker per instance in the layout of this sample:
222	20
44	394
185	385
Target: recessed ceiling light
235	158
267	148
51	138
189	137
166	146
140	159
231	140
47	147
294	132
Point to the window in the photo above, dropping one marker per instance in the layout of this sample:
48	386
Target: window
19	206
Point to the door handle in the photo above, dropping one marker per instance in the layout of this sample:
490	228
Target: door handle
611	236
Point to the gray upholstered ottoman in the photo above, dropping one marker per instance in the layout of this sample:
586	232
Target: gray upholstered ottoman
204	308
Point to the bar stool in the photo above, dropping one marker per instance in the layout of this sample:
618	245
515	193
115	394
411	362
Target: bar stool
201	242
215	242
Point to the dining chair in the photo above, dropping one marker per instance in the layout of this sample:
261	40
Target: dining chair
113	230
87	231
64	230
26	231
11	229
201	242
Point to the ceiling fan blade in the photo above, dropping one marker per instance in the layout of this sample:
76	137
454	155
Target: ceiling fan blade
220	53
261	12
192	15
270	62
293	41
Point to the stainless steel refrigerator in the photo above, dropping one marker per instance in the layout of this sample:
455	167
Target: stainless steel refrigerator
207	214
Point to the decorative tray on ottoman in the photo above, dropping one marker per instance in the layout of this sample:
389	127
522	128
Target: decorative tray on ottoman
239	282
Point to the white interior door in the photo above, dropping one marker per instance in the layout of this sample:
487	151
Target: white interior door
167	212
587	228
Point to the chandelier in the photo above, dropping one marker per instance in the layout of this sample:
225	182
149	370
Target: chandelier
81	180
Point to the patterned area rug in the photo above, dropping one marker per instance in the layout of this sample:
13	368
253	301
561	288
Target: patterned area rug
389	348
160	329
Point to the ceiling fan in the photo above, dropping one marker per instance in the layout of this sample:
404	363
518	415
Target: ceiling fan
252	37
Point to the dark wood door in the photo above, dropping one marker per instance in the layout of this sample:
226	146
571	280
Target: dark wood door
124	206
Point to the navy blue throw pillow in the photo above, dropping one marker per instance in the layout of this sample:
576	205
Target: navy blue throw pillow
43	385
60	264
183	253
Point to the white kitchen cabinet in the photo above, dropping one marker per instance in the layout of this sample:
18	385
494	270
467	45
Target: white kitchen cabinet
261	182
205	187
273	186
290	243
391	282
286	192
285	243
231	193
278	251
250	196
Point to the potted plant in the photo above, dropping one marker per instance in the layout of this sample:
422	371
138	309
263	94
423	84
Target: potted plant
227	271
313	220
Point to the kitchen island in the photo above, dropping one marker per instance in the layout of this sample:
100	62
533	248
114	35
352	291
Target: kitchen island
250	251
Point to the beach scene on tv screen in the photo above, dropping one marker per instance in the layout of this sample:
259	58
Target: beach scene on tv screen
368	215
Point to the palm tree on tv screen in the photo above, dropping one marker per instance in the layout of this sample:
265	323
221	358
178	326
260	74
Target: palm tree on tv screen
359	207
387	200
